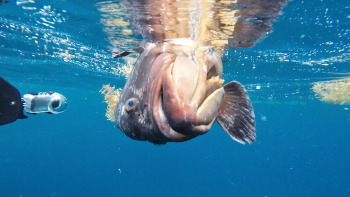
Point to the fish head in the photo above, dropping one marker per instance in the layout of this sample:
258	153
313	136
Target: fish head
169	96
132	112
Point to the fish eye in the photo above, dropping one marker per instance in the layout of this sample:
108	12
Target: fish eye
130	105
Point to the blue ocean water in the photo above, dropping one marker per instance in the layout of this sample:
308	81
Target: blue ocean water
302	144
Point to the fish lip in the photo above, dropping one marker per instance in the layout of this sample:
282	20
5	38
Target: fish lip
156	108
164	129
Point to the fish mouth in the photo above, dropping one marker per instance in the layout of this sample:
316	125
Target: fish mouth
175	81
162	63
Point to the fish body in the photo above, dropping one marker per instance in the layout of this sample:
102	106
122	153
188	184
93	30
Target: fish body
173	95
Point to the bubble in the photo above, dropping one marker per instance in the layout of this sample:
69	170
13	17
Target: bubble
19	2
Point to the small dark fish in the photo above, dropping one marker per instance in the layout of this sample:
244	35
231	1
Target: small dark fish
11	104
226	60
121	54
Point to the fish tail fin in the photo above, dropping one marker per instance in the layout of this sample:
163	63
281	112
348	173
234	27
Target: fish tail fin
236	115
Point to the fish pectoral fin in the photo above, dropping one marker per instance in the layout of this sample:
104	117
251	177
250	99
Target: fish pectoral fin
236	115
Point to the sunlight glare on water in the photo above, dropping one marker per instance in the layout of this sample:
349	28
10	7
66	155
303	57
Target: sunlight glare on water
41	31
317	52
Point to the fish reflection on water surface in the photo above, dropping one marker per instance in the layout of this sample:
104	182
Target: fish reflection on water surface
175	91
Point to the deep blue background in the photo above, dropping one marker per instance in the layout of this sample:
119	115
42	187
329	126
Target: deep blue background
301	150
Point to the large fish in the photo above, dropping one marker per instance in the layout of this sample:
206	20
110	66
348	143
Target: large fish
175	91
